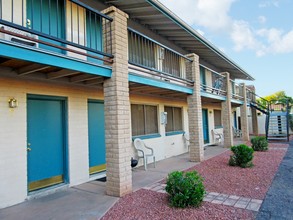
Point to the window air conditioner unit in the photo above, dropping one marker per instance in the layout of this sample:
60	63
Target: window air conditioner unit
15	39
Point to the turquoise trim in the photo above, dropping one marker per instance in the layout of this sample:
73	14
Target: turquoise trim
40	56
212	96
170	133
237	101
157	83
46	97
96	100
148	136
219	126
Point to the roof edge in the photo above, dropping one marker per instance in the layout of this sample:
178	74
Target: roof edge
161	7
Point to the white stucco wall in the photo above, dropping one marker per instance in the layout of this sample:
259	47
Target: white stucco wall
261	119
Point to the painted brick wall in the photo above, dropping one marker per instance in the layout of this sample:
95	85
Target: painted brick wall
164	146
13	135
12	145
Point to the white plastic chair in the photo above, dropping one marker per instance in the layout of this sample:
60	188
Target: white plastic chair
144	152
218	138
237	132
186	139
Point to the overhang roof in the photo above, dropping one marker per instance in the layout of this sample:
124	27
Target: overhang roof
162	21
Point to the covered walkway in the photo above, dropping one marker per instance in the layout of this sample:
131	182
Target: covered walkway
88	200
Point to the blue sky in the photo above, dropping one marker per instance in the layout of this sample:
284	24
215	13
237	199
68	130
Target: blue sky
257	35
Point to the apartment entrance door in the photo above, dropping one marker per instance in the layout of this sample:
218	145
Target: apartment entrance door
205	125
45	141
96	131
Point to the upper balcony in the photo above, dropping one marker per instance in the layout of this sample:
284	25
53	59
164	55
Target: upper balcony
60	33
236	91
212	84
151	60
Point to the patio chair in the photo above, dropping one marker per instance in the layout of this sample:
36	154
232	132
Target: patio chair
144	152
237	132
217	87
186	139
218	137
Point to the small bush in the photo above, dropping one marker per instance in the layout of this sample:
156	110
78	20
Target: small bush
242	156
185	189
259	144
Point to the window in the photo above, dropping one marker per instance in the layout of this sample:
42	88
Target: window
174	119
144	119
217	118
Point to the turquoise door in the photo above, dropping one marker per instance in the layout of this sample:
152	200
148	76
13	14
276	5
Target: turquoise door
235	120
96	130
45	142
48	17
205	125
202	78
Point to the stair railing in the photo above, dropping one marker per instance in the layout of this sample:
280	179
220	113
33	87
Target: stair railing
267	124
287	116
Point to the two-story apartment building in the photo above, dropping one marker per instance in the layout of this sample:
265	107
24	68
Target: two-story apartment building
79	80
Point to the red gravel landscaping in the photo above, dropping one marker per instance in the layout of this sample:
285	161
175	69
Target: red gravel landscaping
219	177
146	204
249	182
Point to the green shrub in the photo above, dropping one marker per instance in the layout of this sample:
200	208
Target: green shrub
259	144
242	156
185	189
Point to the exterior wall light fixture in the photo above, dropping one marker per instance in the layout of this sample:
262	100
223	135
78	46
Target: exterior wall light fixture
12	103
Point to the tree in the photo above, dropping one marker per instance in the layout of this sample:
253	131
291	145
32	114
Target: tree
279	97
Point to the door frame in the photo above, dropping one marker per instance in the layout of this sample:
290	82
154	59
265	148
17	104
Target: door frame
65	133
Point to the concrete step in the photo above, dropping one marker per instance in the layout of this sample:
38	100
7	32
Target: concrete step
277	138
277	135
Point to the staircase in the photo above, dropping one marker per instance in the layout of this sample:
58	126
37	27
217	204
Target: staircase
278	126
277	119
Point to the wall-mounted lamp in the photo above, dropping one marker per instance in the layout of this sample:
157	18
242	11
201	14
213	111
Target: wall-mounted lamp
12	103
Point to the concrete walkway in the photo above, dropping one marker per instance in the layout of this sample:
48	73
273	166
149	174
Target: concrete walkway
278	203
89	201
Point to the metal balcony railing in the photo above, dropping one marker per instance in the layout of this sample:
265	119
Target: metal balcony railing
149	54
212	81
237	91
67	27
249	95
